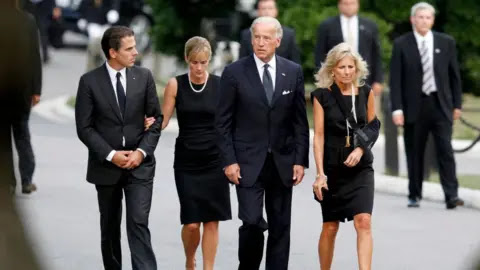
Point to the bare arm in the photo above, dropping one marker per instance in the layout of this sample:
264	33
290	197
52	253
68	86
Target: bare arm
318	149
318	135
169	98
371	107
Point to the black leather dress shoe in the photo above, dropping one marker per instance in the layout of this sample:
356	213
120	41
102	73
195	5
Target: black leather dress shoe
453	203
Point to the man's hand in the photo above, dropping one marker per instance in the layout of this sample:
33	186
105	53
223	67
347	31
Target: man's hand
354	157
233	173
298	173
35	100
398	120
121	158
377	88
456	114
134	160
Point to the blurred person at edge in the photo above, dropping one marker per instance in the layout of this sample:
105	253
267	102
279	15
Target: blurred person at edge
201	184
45	12
96	17
361	33
19	66
20	123
288	45
426	97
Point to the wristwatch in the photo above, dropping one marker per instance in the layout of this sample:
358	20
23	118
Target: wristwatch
319	175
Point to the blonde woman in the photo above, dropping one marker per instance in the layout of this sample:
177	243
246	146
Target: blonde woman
341	104
201	184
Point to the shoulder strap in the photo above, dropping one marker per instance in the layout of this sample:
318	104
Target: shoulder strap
343	107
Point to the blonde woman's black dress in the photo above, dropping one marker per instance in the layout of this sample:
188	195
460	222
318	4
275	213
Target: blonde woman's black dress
350	190
202	186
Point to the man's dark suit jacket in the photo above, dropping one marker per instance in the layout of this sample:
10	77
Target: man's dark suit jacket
248	126
406	75
329	34
100	125
288	46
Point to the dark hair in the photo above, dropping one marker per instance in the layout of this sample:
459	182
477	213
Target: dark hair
112	38
258	2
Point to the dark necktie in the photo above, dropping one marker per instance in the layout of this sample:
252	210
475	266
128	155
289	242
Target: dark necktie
267	83
122	100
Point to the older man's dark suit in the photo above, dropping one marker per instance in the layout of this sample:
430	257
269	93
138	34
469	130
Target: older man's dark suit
427	114
329	34
101	126
288	47
266	141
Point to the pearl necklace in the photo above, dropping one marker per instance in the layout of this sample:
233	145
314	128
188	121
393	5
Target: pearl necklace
203	87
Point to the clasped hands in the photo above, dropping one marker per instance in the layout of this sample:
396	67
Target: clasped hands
127	159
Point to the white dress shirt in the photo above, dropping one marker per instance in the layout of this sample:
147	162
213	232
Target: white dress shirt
429	43
350	23
112	73
272	67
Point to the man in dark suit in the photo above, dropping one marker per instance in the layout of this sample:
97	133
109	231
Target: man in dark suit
426	97
264	139
112	102
288	45
360	33
20	127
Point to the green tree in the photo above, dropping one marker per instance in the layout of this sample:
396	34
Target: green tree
178	20
457	18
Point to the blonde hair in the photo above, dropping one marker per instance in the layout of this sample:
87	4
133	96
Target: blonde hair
324	78
196	45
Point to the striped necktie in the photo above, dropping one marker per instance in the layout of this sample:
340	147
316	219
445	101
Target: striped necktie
427	85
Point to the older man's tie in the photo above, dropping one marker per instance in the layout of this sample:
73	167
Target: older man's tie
427	85
267	83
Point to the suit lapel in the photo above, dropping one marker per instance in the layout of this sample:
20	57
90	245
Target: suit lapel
338	30
279	79
254	79
413	50
131	88
361	36
107	88
437	53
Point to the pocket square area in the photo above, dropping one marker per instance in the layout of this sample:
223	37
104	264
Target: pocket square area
286	92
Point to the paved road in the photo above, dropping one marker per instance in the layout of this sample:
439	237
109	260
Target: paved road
63	217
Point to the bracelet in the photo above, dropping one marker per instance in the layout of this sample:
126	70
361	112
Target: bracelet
320	175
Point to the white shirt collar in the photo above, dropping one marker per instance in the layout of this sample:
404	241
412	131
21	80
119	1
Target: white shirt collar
272	63
113	72
345	18
428	37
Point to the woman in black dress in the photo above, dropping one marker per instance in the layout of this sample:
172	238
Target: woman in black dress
202	187
348	194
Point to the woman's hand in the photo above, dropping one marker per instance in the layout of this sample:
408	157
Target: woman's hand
148	122
320	182
354	157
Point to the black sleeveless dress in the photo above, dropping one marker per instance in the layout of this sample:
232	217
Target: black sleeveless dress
202	186
350	189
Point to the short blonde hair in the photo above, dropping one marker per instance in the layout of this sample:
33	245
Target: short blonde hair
196	45
324	78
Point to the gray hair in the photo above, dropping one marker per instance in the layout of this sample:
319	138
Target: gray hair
422	5
324	78
264	19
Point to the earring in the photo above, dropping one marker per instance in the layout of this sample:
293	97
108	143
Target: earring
333	75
